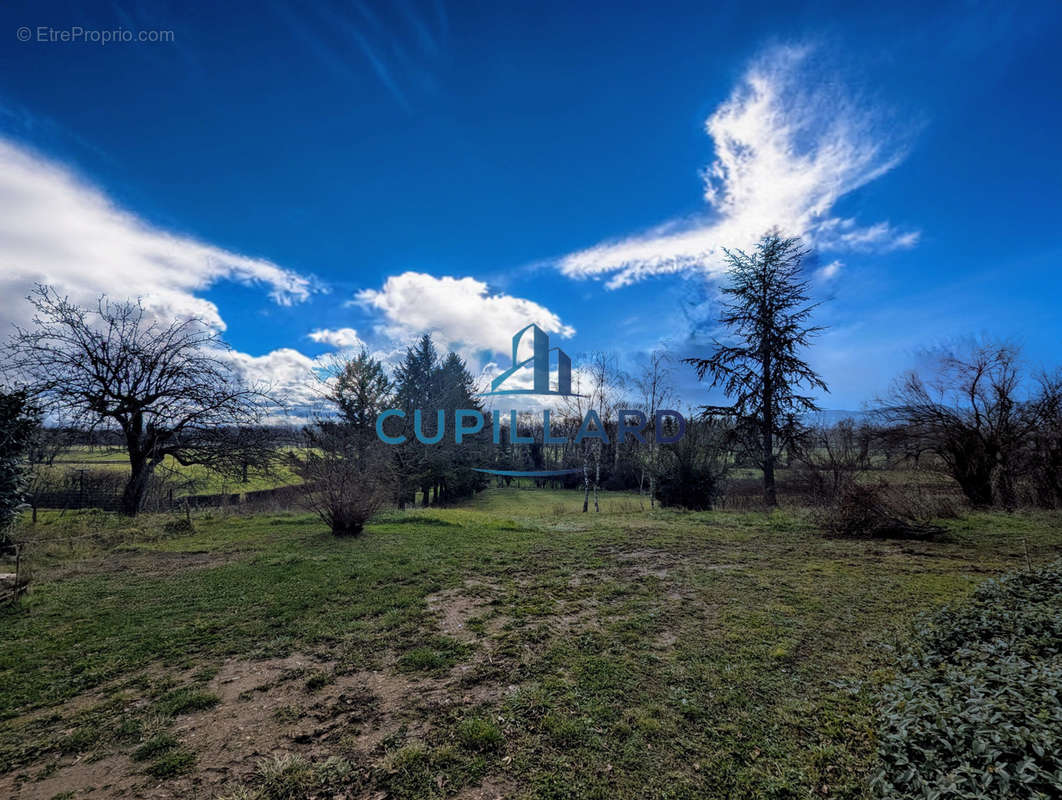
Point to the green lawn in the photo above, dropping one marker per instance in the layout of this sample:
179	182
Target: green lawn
513	644
187	480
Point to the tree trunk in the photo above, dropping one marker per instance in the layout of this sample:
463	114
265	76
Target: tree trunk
597	478
770	494
586	480
977	486
136	487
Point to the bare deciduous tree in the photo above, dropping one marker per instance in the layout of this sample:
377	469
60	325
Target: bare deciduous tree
166	387
598	392
656	392
967	413
831	458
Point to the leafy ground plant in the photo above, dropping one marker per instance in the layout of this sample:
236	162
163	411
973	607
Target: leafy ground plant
976	711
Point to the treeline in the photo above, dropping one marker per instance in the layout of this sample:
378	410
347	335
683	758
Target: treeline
168	394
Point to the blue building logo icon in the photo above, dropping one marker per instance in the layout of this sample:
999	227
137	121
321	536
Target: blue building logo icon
539	363
470	421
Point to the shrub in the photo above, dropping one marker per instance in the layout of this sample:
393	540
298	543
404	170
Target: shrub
830	461
691	473
879	512
346	476
976	711
178	526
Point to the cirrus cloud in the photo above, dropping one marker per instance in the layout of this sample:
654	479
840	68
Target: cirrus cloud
789	144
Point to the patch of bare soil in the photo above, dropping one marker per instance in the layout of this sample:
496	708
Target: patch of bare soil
266	709
454	609
112	776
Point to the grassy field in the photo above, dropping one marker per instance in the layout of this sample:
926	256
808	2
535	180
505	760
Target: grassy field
193	479
513	647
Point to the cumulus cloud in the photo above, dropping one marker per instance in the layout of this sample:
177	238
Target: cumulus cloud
289	376
460	312
343	338
58	229
789	144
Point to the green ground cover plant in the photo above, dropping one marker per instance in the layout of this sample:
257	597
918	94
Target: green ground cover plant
976	709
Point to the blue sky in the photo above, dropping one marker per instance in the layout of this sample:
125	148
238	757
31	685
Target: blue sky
315	178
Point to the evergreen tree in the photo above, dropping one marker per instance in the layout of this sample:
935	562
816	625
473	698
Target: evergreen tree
456	477
362	390
762	372
19	421
416	388
443	471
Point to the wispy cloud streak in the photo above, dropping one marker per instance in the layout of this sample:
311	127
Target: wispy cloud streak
788	146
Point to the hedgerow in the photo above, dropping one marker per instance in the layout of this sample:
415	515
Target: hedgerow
975	711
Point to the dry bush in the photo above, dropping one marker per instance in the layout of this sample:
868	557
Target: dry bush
879	511
830	461
347	476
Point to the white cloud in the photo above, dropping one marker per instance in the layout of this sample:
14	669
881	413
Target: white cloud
57	229
844	234
343	338
459	312
789	144
830	271
287	375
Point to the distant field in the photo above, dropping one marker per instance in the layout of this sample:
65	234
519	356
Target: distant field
513	647
188	480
